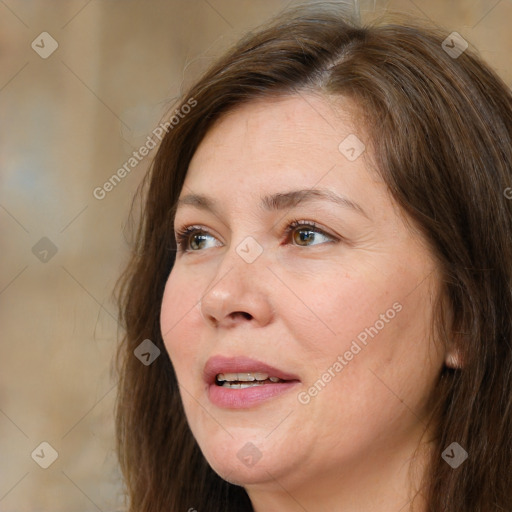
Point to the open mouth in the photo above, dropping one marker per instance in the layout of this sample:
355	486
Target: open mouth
242	382
245	380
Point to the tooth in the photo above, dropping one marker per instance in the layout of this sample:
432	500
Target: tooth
242	385
231	385
245	377
231	376
274	379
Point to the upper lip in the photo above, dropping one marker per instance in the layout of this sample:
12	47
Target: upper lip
241	364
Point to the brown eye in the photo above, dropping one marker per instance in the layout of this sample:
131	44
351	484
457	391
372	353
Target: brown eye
306	231
191	234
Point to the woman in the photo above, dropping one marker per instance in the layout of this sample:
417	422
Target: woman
322	278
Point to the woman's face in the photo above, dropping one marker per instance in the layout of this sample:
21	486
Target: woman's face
341	310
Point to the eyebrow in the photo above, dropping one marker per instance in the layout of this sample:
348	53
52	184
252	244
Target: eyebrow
275	202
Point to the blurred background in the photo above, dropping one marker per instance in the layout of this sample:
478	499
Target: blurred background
83	83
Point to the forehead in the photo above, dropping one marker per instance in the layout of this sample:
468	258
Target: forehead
290	137
306	119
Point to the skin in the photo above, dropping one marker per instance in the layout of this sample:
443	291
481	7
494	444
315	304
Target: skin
299	306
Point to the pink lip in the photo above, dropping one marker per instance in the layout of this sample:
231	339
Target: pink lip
243	398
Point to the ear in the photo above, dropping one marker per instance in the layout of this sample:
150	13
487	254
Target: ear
453	359
453	356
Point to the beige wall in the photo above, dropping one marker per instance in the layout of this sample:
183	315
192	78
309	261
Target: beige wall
68	122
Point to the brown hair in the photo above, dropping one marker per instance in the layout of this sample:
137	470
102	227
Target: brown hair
439	129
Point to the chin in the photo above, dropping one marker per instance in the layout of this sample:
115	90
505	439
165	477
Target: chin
243	476
242	467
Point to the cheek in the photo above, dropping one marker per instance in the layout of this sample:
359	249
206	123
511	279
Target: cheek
375	322
391	360
179	318
336	308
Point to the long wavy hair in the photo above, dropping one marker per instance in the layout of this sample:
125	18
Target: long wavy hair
439	127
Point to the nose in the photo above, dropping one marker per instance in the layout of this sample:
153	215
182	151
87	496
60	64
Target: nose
240	293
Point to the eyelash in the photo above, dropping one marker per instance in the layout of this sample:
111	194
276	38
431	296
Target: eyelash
184	233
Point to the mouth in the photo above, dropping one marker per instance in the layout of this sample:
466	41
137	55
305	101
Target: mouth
241	382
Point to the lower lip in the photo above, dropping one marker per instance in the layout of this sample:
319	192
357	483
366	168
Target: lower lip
233	398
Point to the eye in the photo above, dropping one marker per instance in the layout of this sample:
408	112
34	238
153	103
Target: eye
305	229
188	233
309	228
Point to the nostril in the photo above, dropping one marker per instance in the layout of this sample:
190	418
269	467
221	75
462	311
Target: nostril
245	315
